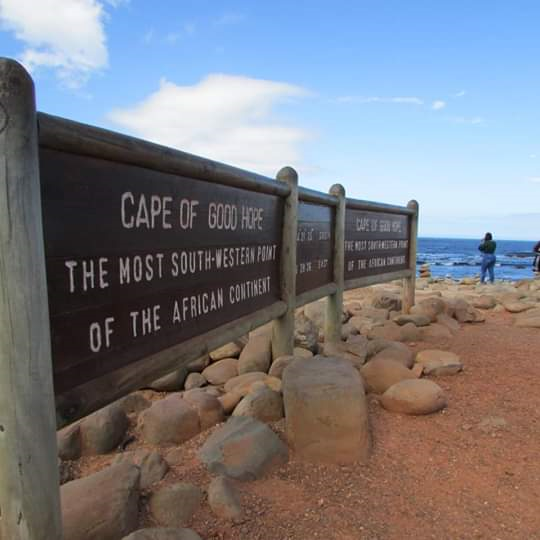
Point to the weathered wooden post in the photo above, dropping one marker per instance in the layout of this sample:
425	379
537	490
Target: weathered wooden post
283	327
29	487
409	283
334	302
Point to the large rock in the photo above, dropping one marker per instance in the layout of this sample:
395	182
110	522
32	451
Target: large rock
172	382
102	506
396	352
169	421
484	301
465	313
103	430
229	350
221	371
389	330
341	350
325	411
418	320
68	441
174	505
152	466
133	403
224	500
198	365
381	373
279	365
316	312
194	380
306	333
449	322
517	307
414	396
386	300
256	355
163	533
430	307
410	332
436	362
207	406
242	383
261	403
229	401
304	353
435	332
243	448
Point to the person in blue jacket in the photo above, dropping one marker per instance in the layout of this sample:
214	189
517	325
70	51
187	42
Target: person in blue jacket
488	247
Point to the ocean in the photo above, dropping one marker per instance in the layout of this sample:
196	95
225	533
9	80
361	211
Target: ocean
457	258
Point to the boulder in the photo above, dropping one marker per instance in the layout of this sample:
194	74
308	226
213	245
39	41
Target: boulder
103	430
341	350
306	333
243	448
381	373
279	364
436	362
316	312
172	382
484	301
517	307
418	320
221	371
151	465
414	396
435	332
194	380
386	300
409	332
68	441
449	322
261	403
102	506
229	401
389	330
325	411
256	355
199	364
224	500
174	505
396	352
169	421
242	383
465	313
229	350
133	403
207	406
163	533
304	353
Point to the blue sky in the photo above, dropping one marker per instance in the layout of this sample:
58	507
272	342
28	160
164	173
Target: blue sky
436	101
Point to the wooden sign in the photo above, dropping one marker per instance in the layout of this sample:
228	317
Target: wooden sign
375	243
315	240
139	260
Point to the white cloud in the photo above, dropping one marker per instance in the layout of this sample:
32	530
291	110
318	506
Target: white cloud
535	179
223	117
379	99
67	36
438	105
459	94
532	156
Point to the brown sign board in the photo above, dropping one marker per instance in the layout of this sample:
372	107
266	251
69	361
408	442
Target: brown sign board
375	243
139	260
315	241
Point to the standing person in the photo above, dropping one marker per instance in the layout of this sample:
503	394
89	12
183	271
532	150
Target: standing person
536	262
488	247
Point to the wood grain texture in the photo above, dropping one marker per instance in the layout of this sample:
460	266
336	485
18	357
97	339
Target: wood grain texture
29	485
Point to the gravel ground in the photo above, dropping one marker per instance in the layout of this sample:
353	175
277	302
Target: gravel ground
471	471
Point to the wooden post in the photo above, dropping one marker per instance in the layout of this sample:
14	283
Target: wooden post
334	302
283	328
29	485
409	283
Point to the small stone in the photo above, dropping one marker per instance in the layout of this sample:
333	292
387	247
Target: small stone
103	430
224	500
194	380
175	505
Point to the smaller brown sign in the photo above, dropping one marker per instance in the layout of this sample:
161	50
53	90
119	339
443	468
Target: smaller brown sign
375	243
315	241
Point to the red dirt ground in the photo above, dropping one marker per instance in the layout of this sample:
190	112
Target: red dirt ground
442	476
